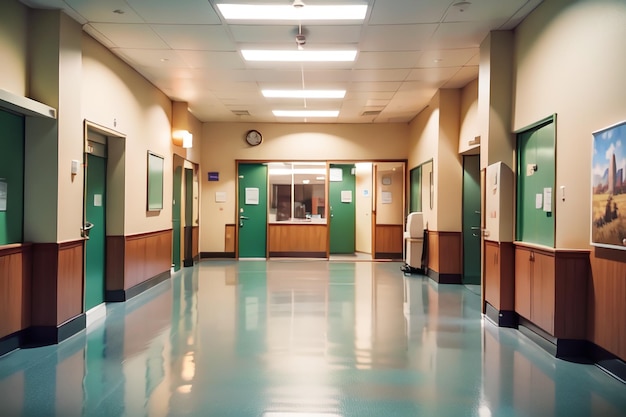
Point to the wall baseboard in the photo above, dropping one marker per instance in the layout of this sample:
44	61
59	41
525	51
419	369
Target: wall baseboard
501	318
445	278
125	295
51	335
217	255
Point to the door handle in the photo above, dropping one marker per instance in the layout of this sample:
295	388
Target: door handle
241	219
84	229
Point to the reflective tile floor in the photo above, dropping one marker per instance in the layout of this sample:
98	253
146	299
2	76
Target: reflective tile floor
300	339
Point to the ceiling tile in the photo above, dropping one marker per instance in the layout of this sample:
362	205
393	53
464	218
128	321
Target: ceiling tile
135	36
195	37
103	12
447	57
286	34
379	60
194	12
408	11
396	37
212	59
380	75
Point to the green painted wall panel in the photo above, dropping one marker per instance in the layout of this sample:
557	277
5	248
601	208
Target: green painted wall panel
11	177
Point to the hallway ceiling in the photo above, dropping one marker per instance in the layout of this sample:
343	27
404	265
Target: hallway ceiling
407	50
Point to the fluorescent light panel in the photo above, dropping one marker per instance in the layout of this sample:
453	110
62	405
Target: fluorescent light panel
298	56
306	113
304	93
288	12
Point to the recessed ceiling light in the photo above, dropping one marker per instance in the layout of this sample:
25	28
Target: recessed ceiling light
298	56
288	12
304	93
306	113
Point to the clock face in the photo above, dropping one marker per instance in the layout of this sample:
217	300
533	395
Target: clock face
253	137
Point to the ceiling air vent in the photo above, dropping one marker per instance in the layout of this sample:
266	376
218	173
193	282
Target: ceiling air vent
241	112
371	113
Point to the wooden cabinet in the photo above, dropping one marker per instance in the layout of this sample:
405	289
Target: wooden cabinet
550	289
499	279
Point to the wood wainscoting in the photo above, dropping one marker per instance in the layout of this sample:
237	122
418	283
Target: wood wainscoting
389	241
298	240
57	310
606	297
15	294
499	283
135	263
445	257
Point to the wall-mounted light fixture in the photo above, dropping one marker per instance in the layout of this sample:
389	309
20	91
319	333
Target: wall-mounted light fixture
181	136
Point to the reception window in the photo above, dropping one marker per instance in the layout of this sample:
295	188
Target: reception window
297	192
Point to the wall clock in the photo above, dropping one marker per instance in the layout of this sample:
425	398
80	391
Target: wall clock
254	137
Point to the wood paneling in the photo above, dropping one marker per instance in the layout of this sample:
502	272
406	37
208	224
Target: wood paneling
389	238
134	259
70	280
444	252
499	275
297	237
607	300
15	283
115	258
57	284
229	238
550	289
195	241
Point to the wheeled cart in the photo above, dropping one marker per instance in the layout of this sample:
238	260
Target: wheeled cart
414	239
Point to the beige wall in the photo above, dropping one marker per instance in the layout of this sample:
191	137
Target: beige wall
434	134
469	127
223	144
363	207
13	47
118	98
393	212
571	62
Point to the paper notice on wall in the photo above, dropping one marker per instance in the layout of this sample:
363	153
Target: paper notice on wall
538	201
97	200
547	199
220	196
387	197
3	195
335	174
252	196
346	196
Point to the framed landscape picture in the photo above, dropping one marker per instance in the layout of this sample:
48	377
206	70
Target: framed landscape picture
608	187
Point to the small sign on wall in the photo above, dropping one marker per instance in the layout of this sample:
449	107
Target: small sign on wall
214	176
3	195
346	196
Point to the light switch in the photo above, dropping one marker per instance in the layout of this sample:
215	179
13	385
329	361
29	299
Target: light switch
75	166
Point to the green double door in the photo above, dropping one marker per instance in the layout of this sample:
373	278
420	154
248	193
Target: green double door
95	217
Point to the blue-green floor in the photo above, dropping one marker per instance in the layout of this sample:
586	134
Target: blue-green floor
300	339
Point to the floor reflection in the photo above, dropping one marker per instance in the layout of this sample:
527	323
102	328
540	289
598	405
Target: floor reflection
300	339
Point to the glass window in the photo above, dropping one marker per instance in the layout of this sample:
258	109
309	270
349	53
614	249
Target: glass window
297	192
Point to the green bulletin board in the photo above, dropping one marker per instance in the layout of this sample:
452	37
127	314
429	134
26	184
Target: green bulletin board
155	182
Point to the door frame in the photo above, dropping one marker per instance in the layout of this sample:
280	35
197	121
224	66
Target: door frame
115	193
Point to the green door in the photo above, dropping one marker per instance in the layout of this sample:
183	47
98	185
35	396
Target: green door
176	215
188	255
342	209
95	213
535	181
11	177
471	219
252	210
